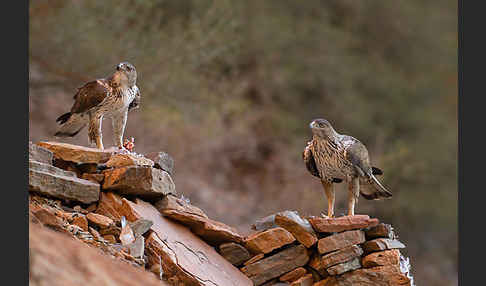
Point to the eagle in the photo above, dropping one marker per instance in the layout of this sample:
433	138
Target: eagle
334	158
111	97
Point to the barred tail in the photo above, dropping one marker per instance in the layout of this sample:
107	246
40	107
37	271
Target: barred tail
374	190
71	124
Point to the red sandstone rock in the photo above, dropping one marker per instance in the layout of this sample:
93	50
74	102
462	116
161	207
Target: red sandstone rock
343	223
315	263
75	263
171	202
95	233
268	240
111	230
81	221
114	207
300	228
381	258
376	276
382	244
49	180
99	220
340	240
95	178
213	232
47	218
344	267
142	181
380	231
110	238
125	160
341	255
305	280
235	253
293	275
77	154
254	259
277	264
184	257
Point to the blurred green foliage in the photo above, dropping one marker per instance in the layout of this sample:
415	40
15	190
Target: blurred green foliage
241	80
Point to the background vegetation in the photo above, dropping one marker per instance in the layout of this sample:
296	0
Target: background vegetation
229	87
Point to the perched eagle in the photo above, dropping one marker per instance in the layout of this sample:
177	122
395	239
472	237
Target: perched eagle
109	97
334	158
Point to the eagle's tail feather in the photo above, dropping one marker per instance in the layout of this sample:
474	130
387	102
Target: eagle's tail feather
374	190
63	118
71	124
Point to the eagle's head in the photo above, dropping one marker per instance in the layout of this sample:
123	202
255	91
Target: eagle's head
127	73
322	128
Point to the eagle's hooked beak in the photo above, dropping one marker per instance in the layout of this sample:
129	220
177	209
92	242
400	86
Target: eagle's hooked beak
312	124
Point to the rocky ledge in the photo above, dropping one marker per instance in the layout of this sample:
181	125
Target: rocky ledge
116	219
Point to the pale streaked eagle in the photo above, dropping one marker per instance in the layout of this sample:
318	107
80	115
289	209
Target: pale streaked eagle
333	158
109	97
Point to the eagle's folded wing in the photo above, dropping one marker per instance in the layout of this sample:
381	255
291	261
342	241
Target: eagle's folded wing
310	163
136	101
357	154
90	95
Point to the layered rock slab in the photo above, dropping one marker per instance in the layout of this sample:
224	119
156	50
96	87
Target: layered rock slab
146	182
235	253
52	181
125	160
77	154
80	264
277	264
171	202
40	154
381	230
213	232
340	240
382	258
340	256
376	276
268	240
344	223
300	228
184	257
380	244
293	275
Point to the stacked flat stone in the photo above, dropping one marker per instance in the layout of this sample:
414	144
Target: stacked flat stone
76	173
357	250
127	202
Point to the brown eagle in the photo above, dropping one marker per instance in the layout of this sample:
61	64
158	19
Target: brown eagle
333	158
109	97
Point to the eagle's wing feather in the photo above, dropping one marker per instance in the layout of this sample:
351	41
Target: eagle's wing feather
136	100
310	163
377	171
357	154
90	95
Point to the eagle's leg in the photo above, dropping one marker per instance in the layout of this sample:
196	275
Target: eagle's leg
119	120
94	130
353	194
329	190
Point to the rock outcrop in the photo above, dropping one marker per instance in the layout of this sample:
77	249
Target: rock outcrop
115	219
